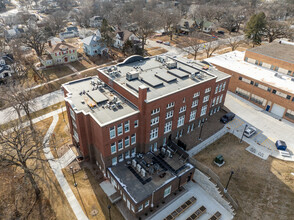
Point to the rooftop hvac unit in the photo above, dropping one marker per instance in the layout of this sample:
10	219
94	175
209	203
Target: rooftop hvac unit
132	75
103	84
143	172
160	59
171	64
138	167
292	79
114	100
134	163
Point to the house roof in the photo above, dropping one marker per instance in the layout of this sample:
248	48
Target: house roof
94	39
281	51
71	28
3	68
58	47
123	34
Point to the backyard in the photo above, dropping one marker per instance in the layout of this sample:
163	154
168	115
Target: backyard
264	189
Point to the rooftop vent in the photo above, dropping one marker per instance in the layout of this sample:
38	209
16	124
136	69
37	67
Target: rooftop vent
143	172
171	64
161	59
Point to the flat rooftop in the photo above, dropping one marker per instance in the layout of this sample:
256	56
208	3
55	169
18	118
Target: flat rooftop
282	51
159	169
234	61
92	96
162	75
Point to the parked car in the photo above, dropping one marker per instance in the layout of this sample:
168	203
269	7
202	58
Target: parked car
159	41
227	117
249	132
166	43
221	32
281	145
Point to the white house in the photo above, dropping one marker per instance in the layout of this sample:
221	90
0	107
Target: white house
121	36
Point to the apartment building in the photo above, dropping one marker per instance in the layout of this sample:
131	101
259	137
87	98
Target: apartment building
126	118
262	75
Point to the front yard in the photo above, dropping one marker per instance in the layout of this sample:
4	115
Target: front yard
263	189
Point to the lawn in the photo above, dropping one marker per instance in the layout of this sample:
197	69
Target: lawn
152	51
263	189
178	41
56	72
91	196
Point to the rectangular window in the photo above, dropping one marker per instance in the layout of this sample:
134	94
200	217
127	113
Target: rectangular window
167	191
220	99
113	148
164	141
136	123
213	102
155	111
274	91
260	63
153	134
169	114
127	141
207	90
120	145
170	105
114	161
269	89
133	152
192	115
168	127
272	67
192	127
220	87
289	72
203	110
256	62
276	68
182	109
76	136
140	208
127	126
246	59
288	97
112	132
206	98
224	86
147	203
120	158
251	82
127	154
155	121
196	94
181	121
240	78
194	103
119	129
256	84
74	124
72	114
217	100
133	139
216	89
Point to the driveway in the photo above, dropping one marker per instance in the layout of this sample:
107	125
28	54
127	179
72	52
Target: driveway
269	127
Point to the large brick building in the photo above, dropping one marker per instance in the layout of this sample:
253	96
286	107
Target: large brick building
125	119
262	75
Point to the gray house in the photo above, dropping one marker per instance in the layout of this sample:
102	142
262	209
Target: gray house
93	46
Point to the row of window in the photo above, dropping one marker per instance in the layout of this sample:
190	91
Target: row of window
220	87
217	100
281	94
123	143
64	52
122	156
120	129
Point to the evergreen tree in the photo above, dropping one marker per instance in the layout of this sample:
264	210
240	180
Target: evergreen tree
255	28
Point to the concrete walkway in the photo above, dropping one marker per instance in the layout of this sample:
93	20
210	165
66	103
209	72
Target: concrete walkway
56	168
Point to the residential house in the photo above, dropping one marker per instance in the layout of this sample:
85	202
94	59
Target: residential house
205	26
5	67
185	26
121	36
59	53
70	32
92	45
96	21
13	33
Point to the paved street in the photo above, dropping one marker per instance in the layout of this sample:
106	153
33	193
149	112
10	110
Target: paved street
270	128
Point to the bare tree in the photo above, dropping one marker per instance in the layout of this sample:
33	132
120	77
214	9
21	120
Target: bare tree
276	29
35	39
170	20
55	22
192	45
211	47
21	148
234	43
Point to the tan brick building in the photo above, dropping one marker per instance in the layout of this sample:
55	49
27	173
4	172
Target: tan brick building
262	75
125	120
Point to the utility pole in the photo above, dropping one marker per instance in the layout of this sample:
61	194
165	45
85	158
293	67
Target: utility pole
243	133
73	175
226	189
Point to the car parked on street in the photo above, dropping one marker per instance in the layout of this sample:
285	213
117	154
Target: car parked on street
227	117
166	43
249	132
159	41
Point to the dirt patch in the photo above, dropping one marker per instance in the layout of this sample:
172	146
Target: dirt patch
152	51
179	41
263	189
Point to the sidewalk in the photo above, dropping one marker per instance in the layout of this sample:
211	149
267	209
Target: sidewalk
56	168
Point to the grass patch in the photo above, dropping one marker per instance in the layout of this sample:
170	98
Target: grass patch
78	65
56	72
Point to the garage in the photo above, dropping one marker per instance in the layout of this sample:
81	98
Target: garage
278	110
